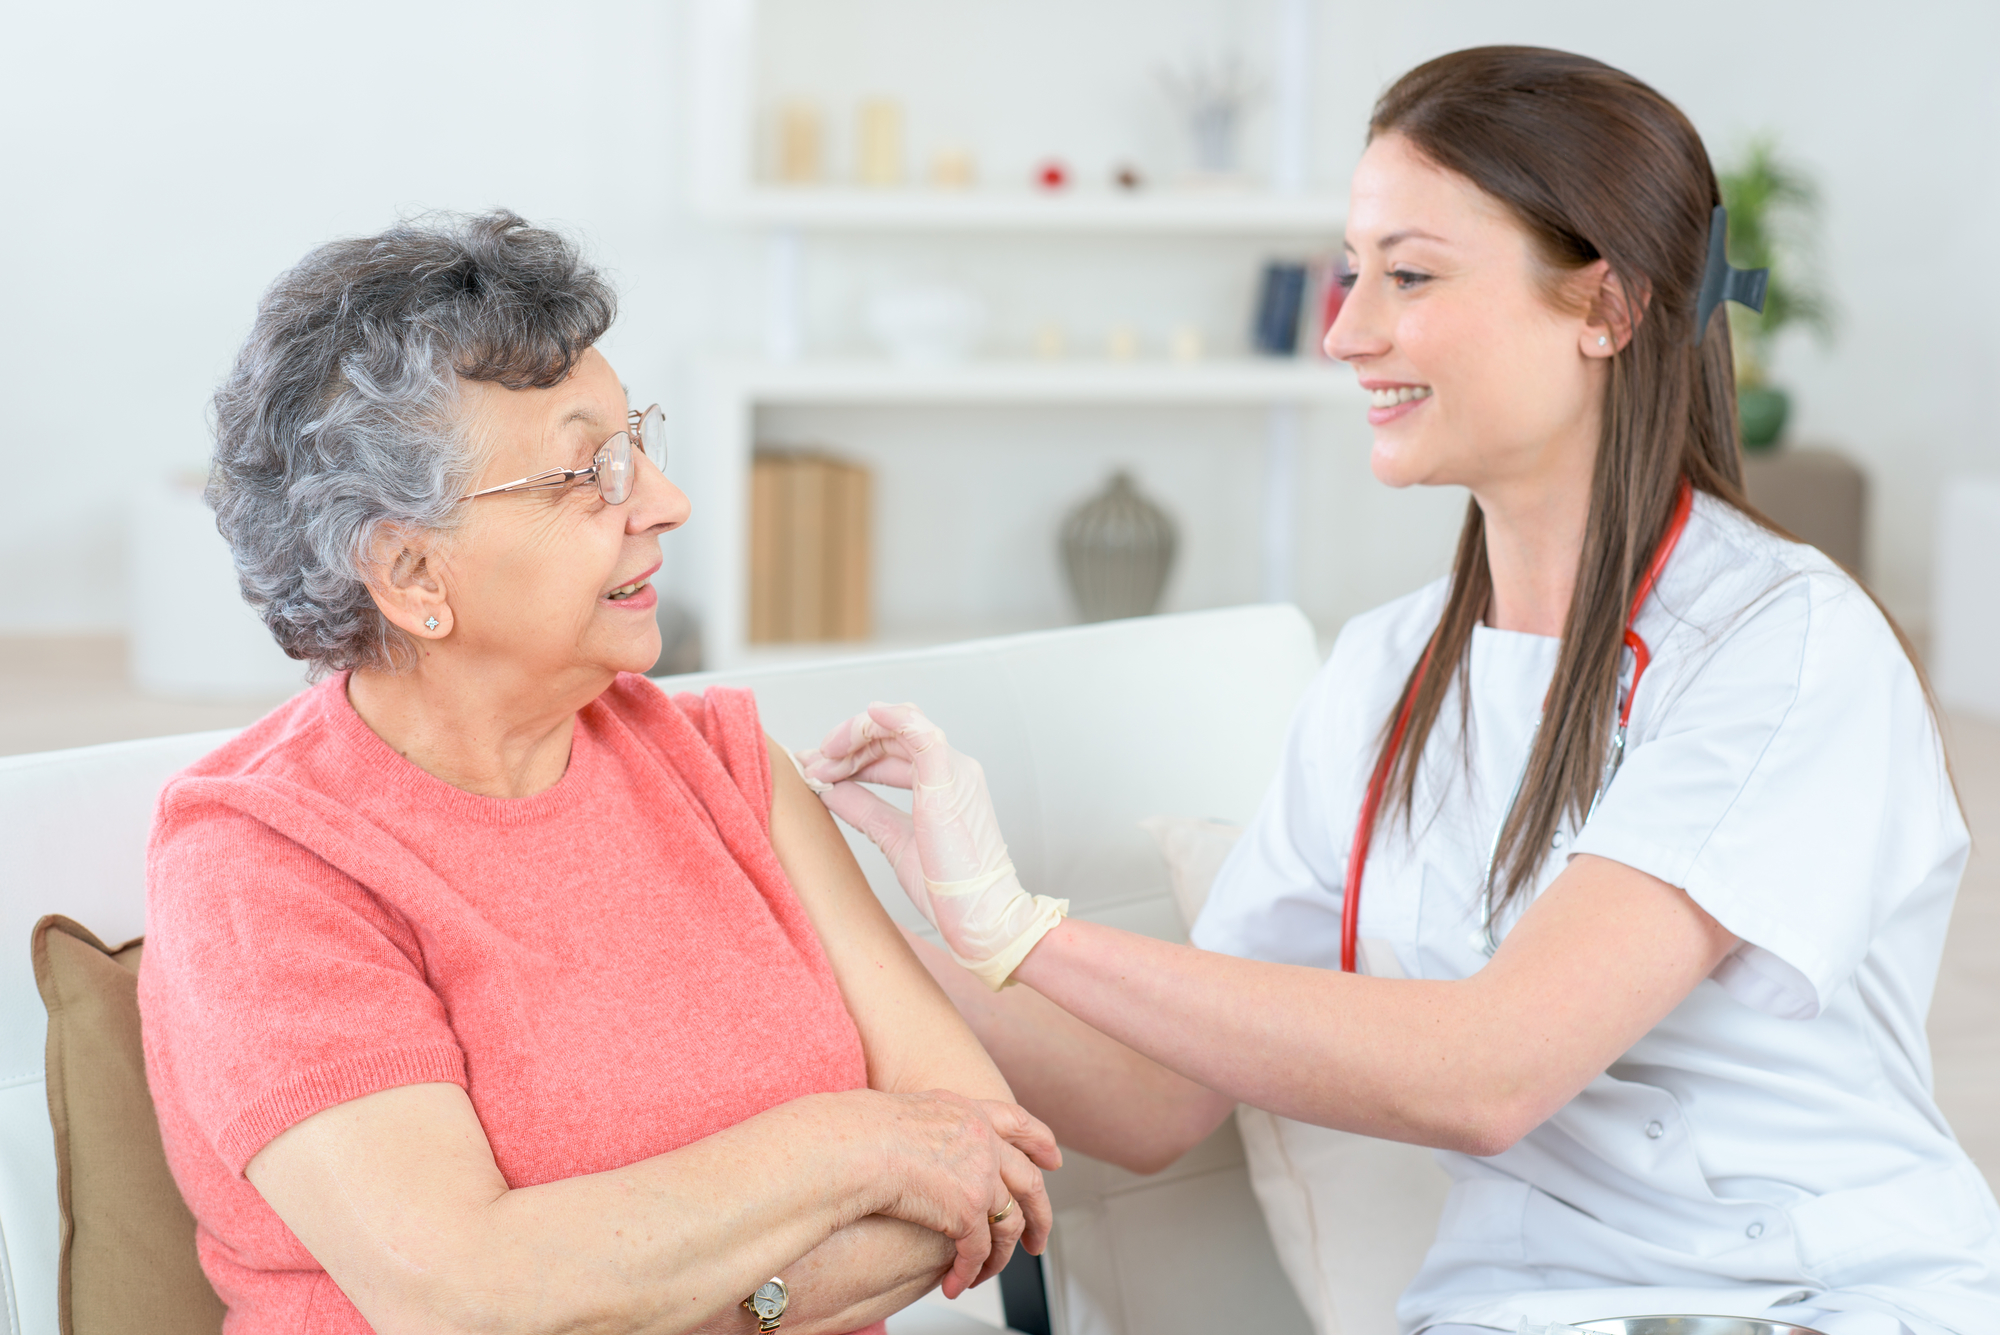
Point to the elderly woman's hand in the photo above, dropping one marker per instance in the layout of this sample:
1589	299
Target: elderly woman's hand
955	1164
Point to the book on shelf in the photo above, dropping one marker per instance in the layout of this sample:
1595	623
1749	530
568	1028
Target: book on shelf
1280	297
1297	302
809	548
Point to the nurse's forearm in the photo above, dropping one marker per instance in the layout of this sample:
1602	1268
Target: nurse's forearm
1297	1041
1096	1094
1470	1064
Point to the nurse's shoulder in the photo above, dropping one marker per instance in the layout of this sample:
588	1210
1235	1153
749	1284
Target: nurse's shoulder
1742	598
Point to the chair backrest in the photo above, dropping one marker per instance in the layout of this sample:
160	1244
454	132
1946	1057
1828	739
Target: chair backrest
1083	733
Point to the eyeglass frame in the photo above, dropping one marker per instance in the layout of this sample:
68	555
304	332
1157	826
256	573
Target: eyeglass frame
635	421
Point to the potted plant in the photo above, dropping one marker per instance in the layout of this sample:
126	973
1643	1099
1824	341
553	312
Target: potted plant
1773	224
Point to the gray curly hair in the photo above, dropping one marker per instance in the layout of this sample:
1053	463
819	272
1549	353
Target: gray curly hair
341	413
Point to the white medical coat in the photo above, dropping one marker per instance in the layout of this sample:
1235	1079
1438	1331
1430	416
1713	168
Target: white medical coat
1782	767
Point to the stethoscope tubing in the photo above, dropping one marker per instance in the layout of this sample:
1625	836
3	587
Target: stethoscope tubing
1378	781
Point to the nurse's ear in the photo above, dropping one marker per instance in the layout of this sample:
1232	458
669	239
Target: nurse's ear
1613	315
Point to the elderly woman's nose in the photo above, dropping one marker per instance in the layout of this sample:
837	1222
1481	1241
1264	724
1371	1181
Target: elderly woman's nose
655	503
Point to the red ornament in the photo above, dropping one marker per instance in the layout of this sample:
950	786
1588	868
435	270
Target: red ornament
1052	175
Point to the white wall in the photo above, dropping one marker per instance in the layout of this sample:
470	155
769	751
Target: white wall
164	163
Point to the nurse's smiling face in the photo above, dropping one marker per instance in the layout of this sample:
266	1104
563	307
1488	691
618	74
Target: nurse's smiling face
1482	359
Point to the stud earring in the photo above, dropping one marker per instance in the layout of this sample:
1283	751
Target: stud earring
432	624
1602	340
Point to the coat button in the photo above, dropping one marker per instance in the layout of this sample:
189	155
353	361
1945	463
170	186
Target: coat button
1754	1231
1654	1131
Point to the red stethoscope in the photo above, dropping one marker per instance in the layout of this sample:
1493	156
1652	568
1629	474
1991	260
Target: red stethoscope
1357	857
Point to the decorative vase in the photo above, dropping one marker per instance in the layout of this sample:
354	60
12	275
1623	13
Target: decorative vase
1762	412
1117	550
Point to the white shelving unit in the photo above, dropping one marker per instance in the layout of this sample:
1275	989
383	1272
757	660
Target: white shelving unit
726	394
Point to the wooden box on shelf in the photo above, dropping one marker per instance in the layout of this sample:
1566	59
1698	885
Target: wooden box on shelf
809	549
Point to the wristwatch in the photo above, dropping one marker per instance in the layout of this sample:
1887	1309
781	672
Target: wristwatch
768	1304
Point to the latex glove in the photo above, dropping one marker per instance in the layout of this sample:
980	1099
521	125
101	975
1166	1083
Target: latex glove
947	852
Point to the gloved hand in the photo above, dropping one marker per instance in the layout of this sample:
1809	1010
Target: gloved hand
948	853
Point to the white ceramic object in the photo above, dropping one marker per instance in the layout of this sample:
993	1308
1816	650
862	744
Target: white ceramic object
927	326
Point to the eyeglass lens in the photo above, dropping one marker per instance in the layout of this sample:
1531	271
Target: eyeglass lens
653	436
614	469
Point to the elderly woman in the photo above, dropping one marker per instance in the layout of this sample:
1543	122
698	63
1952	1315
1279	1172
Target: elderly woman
488	988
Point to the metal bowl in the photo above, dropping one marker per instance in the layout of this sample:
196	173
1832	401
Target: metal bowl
1692	1325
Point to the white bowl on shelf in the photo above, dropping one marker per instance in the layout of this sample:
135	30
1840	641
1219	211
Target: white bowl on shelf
927	326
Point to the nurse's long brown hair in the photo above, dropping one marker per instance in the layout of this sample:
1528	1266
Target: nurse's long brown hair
1595	165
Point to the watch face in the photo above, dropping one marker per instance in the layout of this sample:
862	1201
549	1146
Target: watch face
768	1302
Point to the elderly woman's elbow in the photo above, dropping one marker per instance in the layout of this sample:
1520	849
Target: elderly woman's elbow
463	1282
465	1305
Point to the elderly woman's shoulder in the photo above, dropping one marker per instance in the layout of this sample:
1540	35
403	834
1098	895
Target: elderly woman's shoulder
298	747
720	719
712	711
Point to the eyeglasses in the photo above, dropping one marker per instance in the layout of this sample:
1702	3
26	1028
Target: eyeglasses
611	468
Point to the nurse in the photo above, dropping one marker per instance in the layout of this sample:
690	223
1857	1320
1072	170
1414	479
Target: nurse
1696	1058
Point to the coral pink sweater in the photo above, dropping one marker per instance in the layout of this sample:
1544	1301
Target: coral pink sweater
611	969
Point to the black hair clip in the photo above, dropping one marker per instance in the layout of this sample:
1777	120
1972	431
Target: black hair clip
1722	281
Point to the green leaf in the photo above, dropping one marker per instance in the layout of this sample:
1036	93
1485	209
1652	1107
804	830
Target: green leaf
1774	212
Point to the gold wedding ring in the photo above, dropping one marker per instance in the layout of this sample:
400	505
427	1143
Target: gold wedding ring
1005	1210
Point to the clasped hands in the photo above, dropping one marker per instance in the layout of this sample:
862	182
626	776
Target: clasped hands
947	852
971	1171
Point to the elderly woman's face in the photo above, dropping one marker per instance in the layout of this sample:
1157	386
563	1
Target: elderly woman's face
557	579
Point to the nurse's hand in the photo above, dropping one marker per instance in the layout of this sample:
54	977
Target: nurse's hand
948	853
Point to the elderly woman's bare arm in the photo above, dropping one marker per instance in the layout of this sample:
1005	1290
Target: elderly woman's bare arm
913	1037
398	1197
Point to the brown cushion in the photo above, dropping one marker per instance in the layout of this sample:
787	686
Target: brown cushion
127	1265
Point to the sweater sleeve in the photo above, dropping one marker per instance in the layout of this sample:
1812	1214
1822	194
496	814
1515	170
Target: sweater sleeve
726	717
275	986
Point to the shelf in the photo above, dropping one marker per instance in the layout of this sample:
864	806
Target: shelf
1160	212
1220	381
